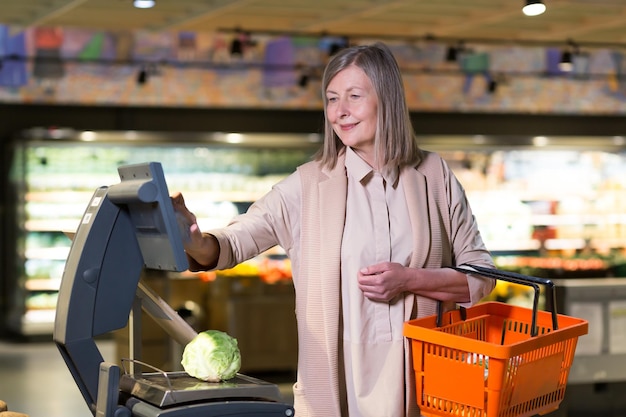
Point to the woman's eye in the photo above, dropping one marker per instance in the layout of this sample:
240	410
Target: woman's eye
331	99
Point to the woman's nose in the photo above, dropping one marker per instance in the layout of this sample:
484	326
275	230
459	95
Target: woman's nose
342	109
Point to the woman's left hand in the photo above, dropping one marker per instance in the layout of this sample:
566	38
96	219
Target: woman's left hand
384	281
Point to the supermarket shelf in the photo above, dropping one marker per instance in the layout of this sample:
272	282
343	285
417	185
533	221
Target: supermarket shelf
578	219
561	244
219	196
513	245
38	322
43	284
553	244
59	253
59	196
56	225
83	197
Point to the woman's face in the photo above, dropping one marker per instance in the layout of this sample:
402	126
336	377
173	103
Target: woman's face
352	110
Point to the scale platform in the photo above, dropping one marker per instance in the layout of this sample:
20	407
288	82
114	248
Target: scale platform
176	394
178	388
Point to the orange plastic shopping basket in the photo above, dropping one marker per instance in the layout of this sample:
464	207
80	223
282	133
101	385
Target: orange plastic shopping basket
494	359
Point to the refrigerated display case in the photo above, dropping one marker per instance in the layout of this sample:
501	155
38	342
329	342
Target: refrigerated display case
54	173
536	202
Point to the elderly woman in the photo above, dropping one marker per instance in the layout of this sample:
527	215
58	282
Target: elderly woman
370	226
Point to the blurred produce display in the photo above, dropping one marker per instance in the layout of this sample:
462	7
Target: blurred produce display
269	269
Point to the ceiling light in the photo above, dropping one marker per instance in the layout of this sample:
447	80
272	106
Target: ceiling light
452	55
144	4
142	76
88	136
565	64
619	140
234	138
534	8
540	141
479	139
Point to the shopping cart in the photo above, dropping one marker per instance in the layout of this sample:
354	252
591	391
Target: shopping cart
494	359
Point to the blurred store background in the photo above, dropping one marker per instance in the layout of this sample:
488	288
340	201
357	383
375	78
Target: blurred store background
226	95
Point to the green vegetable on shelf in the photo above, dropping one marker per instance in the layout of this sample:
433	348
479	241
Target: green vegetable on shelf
212	356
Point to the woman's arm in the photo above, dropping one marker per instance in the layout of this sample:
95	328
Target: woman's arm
386	280
268	222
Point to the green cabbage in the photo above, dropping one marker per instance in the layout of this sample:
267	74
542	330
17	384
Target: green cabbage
212	356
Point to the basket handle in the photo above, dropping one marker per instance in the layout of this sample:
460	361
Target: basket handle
515	278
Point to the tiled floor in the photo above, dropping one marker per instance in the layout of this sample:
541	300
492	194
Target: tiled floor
35	380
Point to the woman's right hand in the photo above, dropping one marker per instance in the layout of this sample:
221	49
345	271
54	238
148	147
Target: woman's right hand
201	247
186	217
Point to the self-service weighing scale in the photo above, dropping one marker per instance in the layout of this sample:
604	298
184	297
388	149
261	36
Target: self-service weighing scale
125	228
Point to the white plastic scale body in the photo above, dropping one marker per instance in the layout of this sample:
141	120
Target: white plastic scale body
125	228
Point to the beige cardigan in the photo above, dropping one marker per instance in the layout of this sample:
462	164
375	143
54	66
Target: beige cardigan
444	233
432	193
